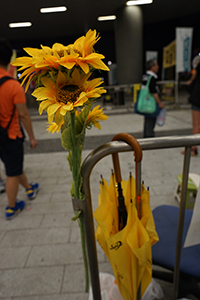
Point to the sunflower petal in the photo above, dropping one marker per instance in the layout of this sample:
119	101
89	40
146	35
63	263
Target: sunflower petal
58	118
53	108
44	105
42	93
32	51
84	66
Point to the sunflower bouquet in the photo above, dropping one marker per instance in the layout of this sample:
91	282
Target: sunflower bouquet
65	91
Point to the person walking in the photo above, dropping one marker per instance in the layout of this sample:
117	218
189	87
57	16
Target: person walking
152	68
194	99
2	185
13	107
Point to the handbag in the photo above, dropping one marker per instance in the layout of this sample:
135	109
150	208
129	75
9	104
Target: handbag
146	102
3	131
152	115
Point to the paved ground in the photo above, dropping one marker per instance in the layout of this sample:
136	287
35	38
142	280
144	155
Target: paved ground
40	249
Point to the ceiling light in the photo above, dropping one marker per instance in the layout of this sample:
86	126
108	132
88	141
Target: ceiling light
139	2
20	24
53	9
106	18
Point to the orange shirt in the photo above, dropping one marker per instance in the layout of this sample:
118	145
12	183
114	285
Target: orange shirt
11	93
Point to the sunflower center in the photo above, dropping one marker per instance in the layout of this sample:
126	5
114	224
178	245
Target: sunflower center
68	93
60	53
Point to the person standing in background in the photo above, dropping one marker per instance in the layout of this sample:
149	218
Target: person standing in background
152	68
2	185
194	99
13	104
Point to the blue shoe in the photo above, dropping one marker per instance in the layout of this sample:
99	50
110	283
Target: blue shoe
11	212
32	192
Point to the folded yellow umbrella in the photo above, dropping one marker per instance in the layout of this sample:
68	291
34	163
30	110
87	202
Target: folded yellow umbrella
128	249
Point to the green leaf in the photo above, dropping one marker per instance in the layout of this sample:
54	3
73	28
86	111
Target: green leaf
77	216
70	160
81	195
66	138
80	137
67	119
80	125
72	190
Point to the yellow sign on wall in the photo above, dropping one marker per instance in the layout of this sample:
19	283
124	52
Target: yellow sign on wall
169	55
136	89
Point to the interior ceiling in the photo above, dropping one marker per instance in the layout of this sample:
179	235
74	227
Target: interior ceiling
80	16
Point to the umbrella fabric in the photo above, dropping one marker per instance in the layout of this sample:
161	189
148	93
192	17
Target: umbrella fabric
128	250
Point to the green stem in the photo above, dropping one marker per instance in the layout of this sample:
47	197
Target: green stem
75	156
76	179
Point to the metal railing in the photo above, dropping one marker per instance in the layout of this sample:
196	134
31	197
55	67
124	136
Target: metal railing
86	205
171	91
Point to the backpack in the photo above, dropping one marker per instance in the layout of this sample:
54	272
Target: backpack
3	131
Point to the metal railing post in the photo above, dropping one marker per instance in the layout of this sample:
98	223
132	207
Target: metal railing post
186	166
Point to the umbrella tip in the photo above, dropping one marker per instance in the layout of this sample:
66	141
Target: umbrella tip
142	181
148	188
112	171
101	181
130	174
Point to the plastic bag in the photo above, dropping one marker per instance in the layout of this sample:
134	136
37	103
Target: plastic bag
110	291
160	120
153	291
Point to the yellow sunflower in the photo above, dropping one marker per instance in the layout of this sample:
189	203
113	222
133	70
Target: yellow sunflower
66	94
81	54
53	127
87	56
94	116
84	44
44	59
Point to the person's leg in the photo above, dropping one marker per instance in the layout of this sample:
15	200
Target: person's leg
2	185
195	127
12	156
195	121
149	124
145	126
12	185
23	181
31	189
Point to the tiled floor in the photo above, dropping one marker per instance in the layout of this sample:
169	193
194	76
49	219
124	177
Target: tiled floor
40	249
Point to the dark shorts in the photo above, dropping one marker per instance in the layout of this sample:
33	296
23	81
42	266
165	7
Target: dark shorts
194	107
12	155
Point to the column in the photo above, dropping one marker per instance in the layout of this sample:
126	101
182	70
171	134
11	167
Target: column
129	44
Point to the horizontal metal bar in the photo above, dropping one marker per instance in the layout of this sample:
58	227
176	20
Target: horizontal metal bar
146	144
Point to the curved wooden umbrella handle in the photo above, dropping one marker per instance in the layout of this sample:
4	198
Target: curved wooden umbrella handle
126	137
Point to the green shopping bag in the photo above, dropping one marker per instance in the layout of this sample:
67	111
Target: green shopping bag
146	102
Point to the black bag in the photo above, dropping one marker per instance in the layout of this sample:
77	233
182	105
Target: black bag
3	131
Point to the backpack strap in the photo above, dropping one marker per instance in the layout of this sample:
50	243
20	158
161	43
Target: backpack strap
148	81
2	80
5	78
